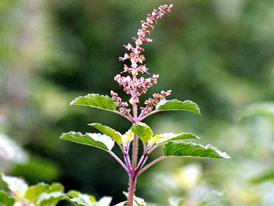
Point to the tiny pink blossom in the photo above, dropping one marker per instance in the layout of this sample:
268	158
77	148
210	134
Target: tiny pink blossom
133	85
128	46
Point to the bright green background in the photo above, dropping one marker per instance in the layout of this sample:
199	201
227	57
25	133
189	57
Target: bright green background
217	53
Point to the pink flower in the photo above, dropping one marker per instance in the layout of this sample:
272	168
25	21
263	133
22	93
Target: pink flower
133	85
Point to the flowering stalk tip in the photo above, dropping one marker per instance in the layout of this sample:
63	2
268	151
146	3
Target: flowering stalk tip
132	84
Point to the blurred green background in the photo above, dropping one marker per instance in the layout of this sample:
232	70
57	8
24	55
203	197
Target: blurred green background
217	53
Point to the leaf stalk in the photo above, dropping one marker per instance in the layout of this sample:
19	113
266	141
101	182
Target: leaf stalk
119	160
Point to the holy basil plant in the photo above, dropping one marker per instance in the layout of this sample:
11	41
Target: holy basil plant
135	85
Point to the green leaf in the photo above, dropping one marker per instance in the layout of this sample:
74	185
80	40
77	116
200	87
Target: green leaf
193	150
104	201
108	131
143	131
35	191
5	200
74	193
50	199
187	105
127	137
41	194
44	194
139	201
16	184
164	138
56	187
80	199
91	139
96	101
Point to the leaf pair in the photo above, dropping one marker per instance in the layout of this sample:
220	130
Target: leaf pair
172	147
106	103
106	140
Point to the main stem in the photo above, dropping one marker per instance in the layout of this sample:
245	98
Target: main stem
133	172
131	190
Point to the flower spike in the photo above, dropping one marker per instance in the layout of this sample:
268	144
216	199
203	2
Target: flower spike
133	85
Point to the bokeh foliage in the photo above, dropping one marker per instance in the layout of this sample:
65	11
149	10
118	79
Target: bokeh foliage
214	52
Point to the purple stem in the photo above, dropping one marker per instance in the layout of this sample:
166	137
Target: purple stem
152	148
142	162
127	160
152	163
129	117
119	160
145	116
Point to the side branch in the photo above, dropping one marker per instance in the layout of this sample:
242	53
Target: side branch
119	160
145	116
142	162
128	117
152	163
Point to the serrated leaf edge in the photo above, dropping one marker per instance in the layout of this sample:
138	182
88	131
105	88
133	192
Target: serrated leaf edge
164	101
208	146
89	134
120	138
159	142
98	95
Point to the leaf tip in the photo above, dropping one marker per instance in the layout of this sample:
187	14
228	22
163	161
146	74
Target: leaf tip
225	155
67	133
220	153
72	102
